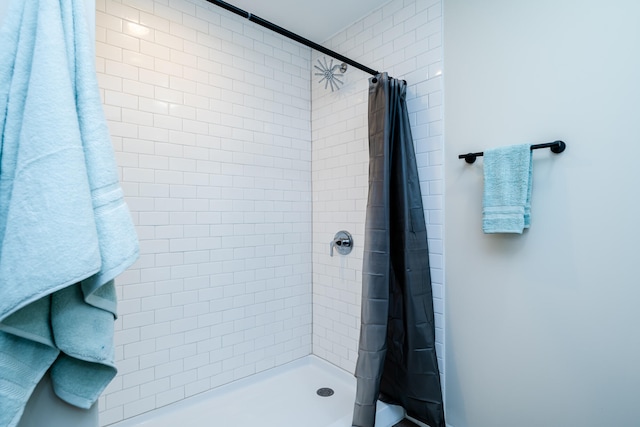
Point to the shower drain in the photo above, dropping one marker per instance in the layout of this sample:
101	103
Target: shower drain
325	392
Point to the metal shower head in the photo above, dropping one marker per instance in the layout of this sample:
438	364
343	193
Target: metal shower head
329	73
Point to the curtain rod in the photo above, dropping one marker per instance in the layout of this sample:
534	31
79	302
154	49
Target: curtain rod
292	36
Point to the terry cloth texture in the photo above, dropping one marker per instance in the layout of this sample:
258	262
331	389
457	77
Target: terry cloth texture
506	202
65	230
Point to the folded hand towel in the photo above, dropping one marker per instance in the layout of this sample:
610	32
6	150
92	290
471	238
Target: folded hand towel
65	230
506	202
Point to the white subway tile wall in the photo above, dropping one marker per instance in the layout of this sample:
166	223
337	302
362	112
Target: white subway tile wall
403	38
210	120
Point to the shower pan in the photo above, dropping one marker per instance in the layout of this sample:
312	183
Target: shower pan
286	396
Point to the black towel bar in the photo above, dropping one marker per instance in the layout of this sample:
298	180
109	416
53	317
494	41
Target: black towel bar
555	146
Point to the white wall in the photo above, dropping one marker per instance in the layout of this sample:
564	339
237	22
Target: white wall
404	38
542	328
210	119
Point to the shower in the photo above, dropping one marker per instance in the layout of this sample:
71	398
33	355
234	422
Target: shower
221	175
329	74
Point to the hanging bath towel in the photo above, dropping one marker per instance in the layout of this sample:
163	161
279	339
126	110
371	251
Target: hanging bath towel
65	230
506	201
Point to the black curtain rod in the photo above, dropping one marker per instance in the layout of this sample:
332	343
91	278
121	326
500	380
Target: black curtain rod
292	36
555	146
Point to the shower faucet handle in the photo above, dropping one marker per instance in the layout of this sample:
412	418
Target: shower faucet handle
342	242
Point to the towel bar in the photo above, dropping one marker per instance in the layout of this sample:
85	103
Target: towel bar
555	146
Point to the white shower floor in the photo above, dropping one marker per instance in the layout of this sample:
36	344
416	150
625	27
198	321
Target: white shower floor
281	397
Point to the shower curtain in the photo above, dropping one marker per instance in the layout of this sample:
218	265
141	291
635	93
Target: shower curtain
396	356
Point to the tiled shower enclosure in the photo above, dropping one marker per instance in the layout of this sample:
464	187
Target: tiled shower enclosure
239	169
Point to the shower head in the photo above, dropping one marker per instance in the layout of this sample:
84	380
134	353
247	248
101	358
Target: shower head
329	73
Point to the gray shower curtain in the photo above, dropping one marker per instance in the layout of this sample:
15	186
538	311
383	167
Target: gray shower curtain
396	357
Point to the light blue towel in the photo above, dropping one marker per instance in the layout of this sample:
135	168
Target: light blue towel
506	203
65	231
